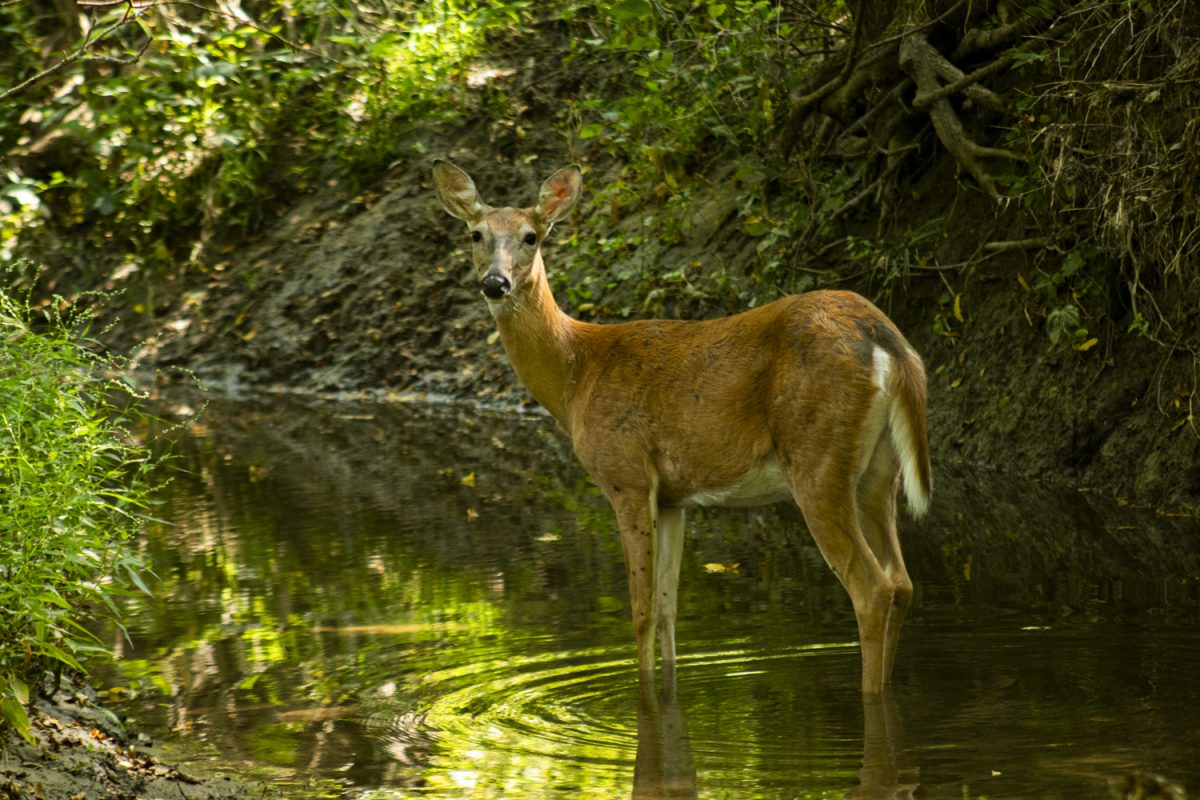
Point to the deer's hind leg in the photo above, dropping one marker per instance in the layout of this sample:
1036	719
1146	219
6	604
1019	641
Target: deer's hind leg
876	502
841	511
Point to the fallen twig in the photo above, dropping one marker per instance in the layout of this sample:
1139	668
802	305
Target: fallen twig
1018	244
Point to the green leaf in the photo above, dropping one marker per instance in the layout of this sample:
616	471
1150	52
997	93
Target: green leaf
19	689
384	45
755	226
1073	262
608	604
52	598
15	714
58	654
591	130
1021	59
631	9
137	579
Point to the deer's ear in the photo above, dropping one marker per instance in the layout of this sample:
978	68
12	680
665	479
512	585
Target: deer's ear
456	191
559	194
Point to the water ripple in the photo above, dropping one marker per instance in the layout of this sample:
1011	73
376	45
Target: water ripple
571	718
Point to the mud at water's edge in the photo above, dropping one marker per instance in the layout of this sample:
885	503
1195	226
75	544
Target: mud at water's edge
82	751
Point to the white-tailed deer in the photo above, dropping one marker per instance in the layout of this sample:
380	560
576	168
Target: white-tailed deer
817	397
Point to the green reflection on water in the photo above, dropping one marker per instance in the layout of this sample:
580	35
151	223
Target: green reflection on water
335	602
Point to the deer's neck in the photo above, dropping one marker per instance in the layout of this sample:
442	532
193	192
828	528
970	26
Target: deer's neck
539	339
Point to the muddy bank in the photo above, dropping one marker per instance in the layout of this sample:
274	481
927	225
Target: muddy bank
374	294
82	751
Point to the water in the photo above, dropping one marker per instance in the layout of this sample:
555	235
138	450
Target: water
371	601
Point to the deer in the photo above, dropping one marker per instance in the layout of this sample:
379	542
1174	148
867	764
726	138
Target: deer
815	398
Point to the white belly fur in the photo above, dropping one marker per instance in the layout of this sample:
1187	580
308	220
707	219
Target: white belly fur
763	483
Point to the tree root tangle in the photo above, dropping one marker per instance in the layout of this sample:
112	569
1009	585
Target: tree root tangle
927	67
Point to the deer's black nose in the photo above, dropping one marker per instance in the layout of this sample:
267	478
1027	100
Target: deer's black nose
495	286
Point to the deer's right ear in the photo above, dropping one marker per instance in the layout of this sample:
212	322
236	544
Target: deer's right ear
457	191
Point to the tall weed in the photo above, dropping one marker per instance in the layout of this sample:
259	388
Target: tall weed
74	487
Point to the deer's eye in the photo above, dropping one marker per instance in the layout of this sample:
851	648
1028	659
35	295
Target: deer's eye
531	239
476	236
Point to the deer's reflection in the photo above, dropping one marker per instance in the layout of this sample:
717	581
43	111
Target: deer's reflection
888	770
664	760
664	770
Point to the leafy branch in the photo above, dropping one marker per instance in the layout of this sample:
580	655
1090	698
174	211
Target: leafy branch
133	11
84	52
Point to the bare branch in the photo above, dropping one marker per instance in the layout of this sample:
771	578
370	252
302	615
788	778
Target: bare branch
1019	244
117	60
88	43
860	58
892	97
922	27
859	198
958	82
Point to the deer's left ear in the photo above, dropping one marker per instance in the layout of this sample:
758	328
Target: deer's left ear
559	194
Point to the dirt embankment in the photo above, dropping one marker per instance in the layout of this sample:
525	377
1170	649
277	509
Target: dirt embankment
81	753
374	294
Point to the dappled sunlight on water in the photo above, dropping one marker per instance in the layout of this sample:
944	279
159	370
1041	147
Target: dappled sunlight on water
406	601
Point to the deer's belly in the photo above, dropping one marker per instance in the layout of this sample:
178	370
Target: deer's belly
761	484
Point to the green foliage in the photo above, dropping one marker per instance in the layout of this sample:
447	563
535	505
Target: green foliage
216	120
216	116
694	78
73	486
1065	291
704	90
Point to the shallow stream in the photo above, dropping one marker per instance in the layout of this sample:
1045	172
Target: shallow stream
412	601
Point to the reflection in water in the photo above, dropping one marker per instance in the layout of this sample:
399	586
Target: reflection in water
663	769
414	602
888	772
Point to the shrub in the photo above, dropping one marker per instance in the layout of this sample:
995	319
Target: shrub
74	487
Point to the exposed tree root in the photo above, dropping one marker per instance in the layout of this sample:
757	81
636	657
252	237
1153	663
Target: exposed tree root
978	39
927	67
864	89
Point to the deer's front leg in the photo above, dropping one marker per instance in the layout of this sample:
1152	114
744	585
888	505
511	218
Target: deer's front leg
668	557
637	520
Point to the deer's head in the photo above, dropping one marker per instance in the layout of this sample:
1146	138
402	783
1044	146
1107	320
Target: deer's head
505	242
